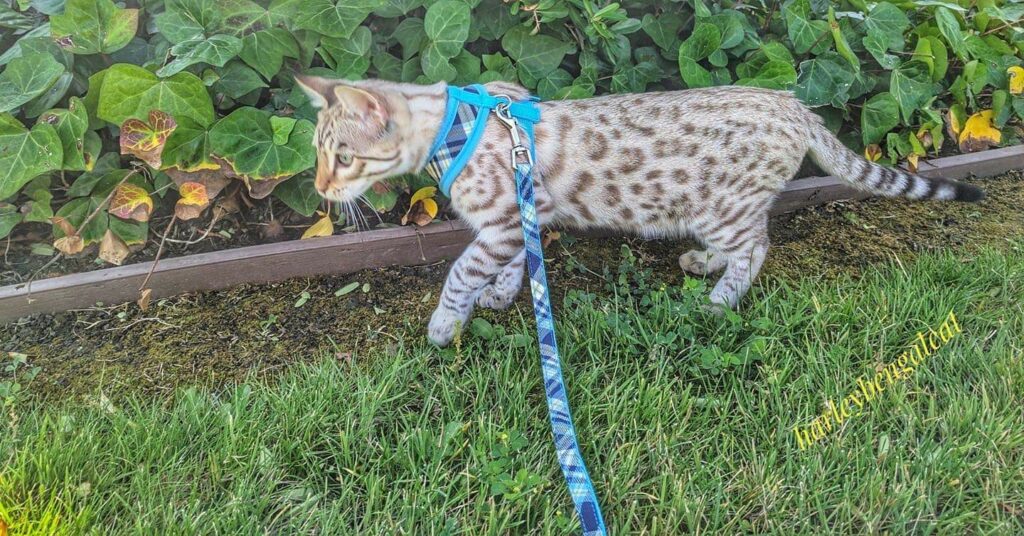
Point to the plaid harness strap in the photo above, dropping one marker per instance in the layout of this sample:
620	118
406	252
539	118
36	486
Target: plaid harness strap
465	120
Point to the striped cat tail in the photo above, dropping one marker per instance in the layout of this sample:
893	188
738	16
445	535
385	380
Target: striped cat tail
832	156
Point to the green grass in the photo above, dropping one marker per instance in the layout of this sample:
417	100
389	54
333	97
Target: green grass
685	422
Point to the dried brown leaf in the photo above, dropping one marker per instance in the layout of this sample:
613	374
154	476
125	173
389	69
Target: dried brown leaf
113	249
144	297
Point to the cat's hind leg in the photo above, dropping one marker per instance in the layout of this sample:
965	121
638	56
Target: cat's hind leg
506	285
702	262
744	253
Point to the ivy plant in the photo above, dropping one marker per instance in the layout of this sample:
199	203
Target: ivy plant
107	106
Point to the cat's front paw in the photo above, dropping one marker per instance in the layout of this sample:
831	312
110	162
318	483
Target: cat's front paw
492	297
443	327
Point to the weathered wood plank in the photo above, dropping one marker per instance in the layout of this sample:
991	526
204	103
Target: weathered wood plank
343	254
337	254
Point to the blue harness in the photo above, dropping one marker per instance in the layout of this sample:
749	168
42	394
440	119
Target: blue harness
463	125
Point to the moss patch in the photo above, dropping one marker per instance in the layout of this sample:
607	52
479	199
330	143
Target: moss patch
217	338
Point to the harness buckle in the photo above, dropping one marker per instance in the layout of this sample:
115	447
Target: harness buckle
504	114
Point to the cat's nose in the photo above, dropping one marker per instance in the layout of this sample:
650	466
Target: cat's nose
322	184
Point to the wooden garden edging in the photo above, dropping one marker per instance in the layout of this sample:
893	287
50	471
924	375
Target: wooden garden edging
341	254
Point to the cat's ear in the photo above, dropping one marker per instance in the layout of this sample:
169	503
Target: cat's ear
324	92
319	90
361	103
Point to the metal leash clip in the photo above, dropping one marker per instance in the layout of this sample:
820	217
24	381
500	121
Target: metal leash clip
504	114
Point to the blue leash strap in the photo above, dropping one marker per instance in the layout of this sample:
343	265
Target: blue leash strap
573	468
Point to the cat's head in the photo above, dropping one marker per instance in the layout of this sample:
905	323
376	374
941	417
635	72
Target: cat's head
359	136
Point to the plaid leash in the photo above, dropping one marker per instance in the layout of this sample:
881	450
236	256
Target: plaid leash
516	115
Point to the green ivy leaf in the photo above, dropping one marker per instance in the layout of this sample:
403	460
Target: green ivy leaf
635	78
237	79
663	30
467	67
76	211
50	97
383	201
39	207
879	115
188	147
555	81
493	19
282	128
71	124
350	57
131	231
705	39
187	20
9	217
877	44
216	51
447	26
911	85
94	26
807	35
772	75
824	80
325	17
411	36
246	141
265	50
949	26
693	73
535	55
130	91
299	194
26	154
27	77
889	21
731	25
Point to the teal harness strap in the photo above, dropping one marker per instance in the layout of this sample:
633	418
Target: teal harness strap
464	122
516	115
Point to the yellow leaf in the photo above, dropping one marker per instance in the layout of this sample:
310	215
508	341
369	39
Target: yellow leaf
422	207
1016	79
430	206
423	193
912	159
113	249
144	296
956	117
131	202
323	227
873	152
193	193
979	133
192	202
146	140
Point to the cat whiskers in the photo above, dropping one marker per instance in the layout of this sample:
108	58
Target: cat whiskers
362	197
355	215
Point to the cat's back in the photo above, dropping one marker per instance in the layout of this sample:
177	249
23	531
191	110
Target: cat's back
700	105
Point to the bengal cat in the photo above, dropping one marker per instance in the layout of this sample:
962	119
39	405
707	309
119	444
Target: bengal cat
705	163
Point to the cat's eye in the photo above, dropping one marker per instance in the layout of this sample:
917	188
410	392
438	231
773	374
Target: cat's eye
344	159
